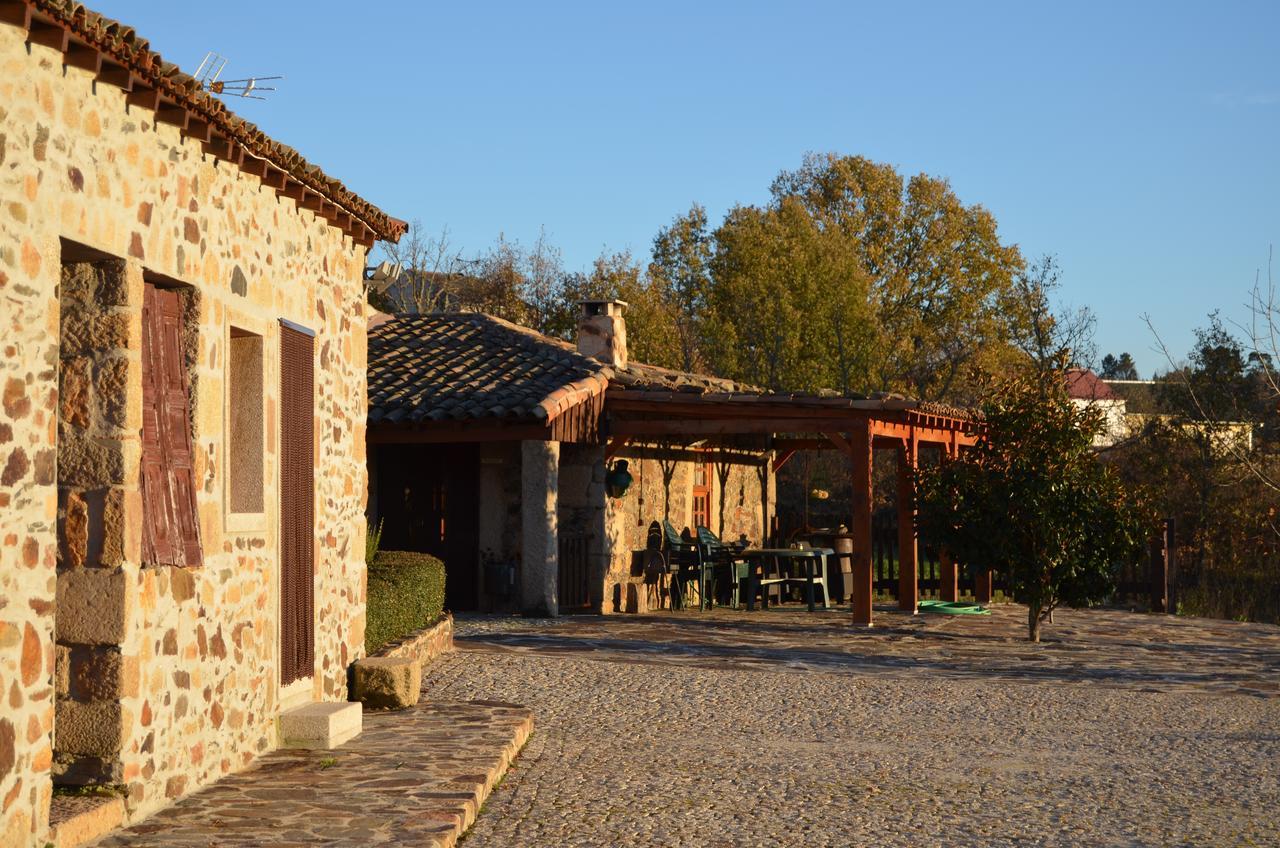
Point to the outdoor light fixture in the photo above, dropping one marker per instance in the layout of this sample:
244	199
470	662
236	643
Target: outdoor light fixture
617	479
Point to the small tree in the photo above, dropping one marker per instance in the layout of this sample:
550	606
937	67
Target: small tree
1032	502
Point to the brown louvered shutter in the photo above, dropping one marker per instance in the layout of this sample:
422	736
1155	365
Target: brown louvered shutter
297	522
170	525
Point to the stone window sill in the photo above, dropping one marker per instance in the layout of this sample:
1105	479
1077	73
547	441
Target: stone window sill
246	522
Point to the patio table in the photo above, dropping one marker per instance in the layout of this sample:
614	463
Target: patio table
809	556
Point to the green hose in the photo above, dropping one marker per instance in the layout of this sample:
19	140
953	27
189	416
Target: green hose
953	608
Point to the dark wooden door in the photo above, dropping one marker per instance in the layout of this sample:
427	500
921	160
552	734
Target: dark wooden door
297	493
170	529
429	501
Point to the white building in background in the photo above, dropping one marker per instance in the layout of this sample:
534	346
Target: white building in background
1087	389
1128	405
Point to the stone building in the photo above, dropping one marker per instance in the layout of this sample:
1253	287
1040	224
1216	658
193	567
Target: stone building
488	448
182	469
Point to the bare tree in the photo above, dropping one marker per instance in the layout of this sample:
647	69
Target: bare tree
1050	334
431	271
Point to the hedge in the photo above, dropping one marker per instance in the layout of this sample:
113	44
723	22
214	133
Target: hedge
406	593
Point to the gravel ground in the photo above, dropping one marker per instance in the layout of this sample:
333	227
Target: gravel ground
637	742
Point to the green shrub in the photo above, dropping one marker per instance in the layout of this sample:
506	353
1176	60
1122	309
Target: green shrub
372	542
406	593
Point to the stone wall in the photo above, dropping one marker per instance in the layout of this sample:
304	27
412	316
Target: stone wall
189	673
662	484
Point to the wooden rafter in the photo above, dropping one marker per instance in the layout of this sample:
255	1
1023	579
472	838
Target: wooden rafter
783	457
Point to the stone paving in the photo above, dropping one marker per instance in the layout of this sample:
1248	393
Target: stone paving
790	728
416	777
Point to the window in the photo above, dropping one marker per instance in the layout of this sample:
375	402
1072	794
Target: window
701	494
245	422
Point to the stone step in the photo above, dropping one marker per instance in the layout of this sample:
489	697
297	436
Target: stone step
79	819
322	725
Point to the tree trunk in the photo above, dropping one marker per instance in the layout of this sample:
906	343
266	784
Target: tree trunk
1033	622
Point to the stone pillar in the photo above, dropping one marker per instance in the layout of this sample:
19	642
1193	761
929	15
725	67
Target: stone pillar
100	519
539	504
908	570
860	525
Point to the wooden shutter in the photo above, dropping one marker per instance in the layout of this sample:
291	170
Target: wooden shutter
170	525
297	521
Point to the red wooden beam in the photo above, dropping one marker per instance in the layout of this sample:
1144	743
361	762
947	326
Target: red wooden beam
146	98
840	442
83	57
455	432
16	13
782	459
713	426
49	35
616	444
117	75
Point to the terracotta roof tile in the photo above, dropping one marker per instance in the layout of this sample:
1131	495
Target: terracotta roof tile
122	45
464	366
471	366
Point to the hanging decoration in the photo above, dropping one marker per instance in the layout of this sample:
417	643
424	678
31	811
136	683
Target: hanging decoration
617	480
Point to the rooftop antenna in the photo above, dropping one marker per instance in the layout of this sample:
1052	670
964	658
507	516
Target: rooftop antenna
209	76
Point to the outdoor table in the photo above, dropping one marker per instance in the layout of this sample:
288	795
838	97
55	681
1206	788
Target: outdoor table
807	555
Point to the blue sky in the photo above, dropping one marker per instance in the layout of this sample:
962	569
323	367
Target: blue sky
1136	141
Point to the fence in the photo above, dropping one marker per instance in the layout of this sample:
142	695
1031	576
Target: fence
1151	582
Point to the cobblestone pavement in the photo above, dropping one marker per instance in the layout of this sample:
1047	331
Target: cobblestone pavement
789	728
416	777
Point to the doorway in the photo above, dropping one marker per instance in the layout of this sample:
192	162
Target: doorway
428	502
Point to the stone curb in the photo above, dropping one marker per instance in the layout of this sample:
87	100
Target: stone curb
423	645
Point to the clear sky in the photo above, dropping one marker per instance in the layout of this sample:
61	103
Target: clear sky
1136	141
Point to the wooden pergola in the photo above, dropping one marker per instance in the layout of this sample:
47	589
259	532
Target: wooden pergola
790	423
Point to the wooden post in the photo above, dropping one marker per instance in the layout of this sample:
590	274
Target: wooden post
908	570
948	571
860	525
948	577
1159	575
982	586
1171	566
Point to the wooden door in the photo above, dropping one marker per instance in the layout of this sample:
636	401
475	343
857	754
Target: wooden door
297	494
170	530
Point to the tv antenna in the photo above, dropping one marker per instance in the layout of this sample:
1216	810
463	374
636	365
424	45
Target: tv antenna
209	76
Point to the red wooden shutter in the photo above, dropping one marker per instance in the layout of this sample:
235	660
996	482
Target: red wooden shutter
170	524
297	520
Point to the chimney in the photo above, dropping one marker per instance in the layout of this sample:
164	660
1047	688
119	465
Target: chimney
602	332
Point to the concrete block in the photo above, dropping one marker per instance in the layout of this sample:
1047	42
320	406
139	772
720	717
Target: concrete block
387	682
95	606
324	725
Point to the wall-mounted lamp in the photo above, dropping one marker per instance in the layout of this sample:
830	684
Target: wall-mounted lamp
617	479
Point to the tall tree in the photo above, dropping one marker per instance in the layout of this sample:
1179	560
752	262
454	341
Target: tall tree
936	277
1118	367
680	270
788	306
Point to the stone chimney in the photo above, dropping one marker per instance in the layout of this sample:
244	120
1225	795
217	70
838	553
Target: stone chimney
602	332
